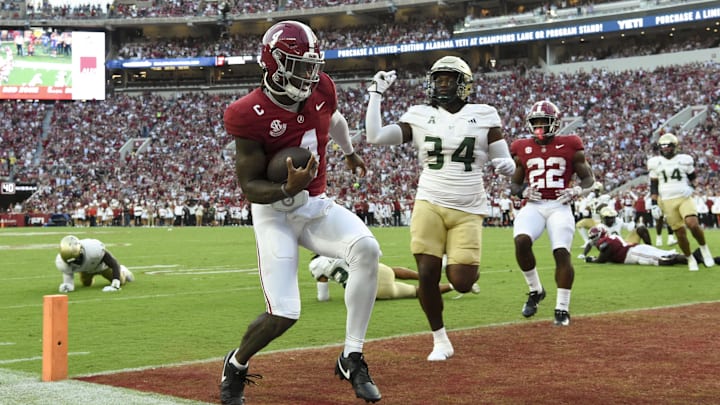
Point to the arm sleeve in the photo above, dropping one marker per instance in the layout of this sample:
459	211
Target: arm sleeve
376	133
340	132
499	149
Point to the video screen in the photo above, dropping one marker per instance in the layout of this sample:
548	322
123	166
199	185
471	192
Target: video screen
50	64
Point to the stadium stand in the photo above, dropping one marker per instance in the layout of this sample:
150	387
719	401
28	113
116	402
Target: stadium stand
115	152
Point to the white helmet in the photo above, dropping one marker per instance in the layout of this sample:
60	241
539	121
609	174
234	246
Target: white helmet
334	269
668	144
464	79
608	212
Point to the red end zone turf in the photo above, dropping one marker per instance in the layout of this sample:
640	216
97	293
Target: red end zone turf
665	356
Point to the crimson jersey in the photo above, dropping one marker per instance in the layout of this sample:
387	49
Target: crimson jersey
616	247
548	167
256	117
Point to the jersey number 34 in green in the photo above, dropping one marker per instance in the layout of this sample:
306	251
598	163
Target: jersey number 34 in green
465	153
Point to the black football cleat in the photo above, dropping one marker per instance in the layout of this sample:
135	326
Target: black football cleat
562	318
697	254
233	382
534	298
354	369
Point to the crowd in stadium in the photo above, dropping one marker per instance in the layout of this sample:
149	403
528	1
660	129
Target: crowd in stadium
199	8
347	37
73	150
391	33
83	153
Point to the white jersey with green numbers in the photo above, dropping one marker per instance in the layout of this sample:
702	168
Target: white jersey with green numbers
672	175
453	151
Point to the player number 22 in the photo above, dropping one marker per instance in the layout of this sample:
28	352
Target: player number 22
546	173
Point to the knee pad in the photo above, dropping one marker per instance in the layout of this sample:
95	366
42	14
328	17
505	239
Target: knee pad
364	254
466	256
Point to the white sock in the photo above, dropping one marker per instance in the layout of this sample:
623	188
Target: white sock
533	279
237	364
563	299
440	336
323	291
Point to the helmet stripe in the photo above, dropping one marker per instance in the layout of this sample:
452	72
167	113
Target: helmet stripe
312	40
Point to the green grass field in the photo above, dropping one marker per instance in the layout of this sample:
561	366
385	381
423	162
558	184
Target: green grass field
41	69
197	289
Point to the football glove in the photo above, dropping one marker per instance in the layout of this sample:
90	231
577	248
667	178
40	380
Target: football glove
531	194
381	81
568	194
656	212
66	288
504	166
114	286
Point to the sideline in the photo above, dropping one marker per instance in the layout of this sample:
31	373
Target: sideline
17	388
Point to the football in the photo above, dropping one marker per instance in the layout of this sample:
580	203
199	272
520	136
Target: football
277	168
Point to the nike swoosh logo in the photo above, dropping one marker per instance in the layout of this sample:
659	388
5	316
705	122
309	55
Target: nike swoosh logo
345	373
558	146
319	106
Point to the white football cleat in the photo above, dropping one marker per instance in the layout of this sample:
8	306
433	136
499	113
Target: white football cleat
441	352
692	263
671	240
708	259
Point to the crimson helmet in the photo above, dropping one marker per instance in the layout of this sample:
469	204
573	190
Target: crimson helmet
597	232
291	59
549	113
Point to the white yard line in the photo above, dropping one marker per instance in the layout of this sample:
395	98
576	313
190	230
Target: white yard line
35	358
18	388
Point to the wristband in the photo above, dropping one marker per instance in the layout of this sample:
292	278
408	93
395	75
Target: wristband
285	193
